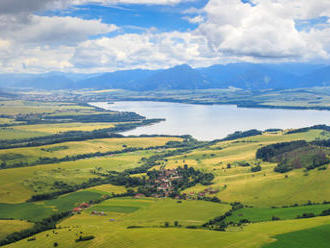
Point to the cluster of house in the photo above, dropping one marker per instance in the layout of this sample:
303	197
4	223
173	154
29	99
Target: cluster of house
101	213
205	192
163	182
81	207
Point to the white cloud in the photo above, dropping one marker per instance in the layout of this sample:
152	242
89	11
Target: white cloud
228	31
196	20
147	2
139	51
43	30
21	6
266	30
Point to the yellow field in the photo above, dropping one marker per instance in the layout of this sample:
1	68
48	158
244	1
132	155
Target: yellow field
60	150
108	188
7	121
23	107
9	226
9	133
65	127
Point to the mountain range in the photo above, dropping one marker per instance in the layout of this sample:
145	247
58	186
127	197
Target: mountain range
240	75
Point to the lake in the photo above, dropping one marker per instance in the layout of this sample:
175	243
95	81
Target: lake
209	122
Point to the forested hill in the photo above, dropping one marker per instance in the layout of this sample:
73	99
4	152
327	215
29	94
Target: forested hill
240	75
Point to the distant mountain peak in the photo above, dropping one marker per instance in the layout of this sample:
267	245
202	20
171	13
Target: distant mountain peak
239	75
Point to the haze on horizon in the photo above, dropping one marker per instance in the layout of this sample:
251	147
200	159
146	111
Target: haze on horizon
108	35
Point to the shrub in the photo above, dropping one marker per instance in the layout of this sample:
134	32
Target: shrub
85	238
274	218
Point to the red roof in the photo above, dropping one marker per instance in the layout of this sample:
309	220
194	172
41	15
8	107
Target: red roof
84	205
77	209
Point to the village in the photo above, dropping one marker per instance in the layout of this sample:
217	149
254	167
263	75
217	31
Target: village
162	183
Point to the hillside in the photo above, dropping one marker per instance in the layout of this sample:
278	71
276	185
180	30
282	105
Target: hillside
240	75
77	183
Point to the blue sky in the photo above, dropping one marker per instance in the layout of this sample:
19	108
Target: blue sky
136	17
107	35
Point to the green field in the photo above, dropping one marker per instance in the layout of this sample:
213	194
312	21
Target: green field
314	237
39	210
140	221
266	214
240	184
19	184
116	233
157	211
25	211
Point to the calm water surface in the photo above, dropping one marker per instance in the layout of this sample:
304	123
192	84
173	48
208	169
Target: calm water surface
209	122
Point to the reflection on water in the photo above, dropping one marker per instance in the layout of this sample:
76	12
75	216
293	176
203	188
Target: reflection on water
208	122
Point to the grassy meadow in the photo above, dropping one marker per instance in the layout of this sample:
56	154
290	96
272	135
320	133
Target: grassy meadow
19	184
61	150
313	237
10	226
129	221
284	213
115	232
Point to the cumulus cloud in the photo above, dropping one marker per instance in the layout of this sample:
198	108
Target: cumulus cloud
43	30
265	29
19	6
228	31
139	51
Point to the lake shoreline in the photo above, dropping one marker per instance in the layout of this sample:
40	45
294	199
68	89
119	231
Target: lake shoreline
207	122
248	104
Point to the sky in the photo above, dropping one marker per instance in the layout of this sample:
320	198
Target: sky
90	36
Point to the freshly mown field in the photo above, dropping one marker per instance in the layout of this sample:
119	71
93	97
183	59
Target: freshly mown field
10	226
61	150
9	133
19	107
108	189
64	127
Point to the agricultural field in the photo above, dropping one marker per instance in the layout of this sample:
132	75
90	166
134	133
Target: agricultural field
19	184
19	107
152	191
283	213
154	212
37	211
238	183
10	226
317	236
112	229
9	133
64	127
32	155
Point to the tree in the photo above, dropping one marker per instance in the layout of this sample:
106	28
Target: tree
166	224
256	168
176	223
